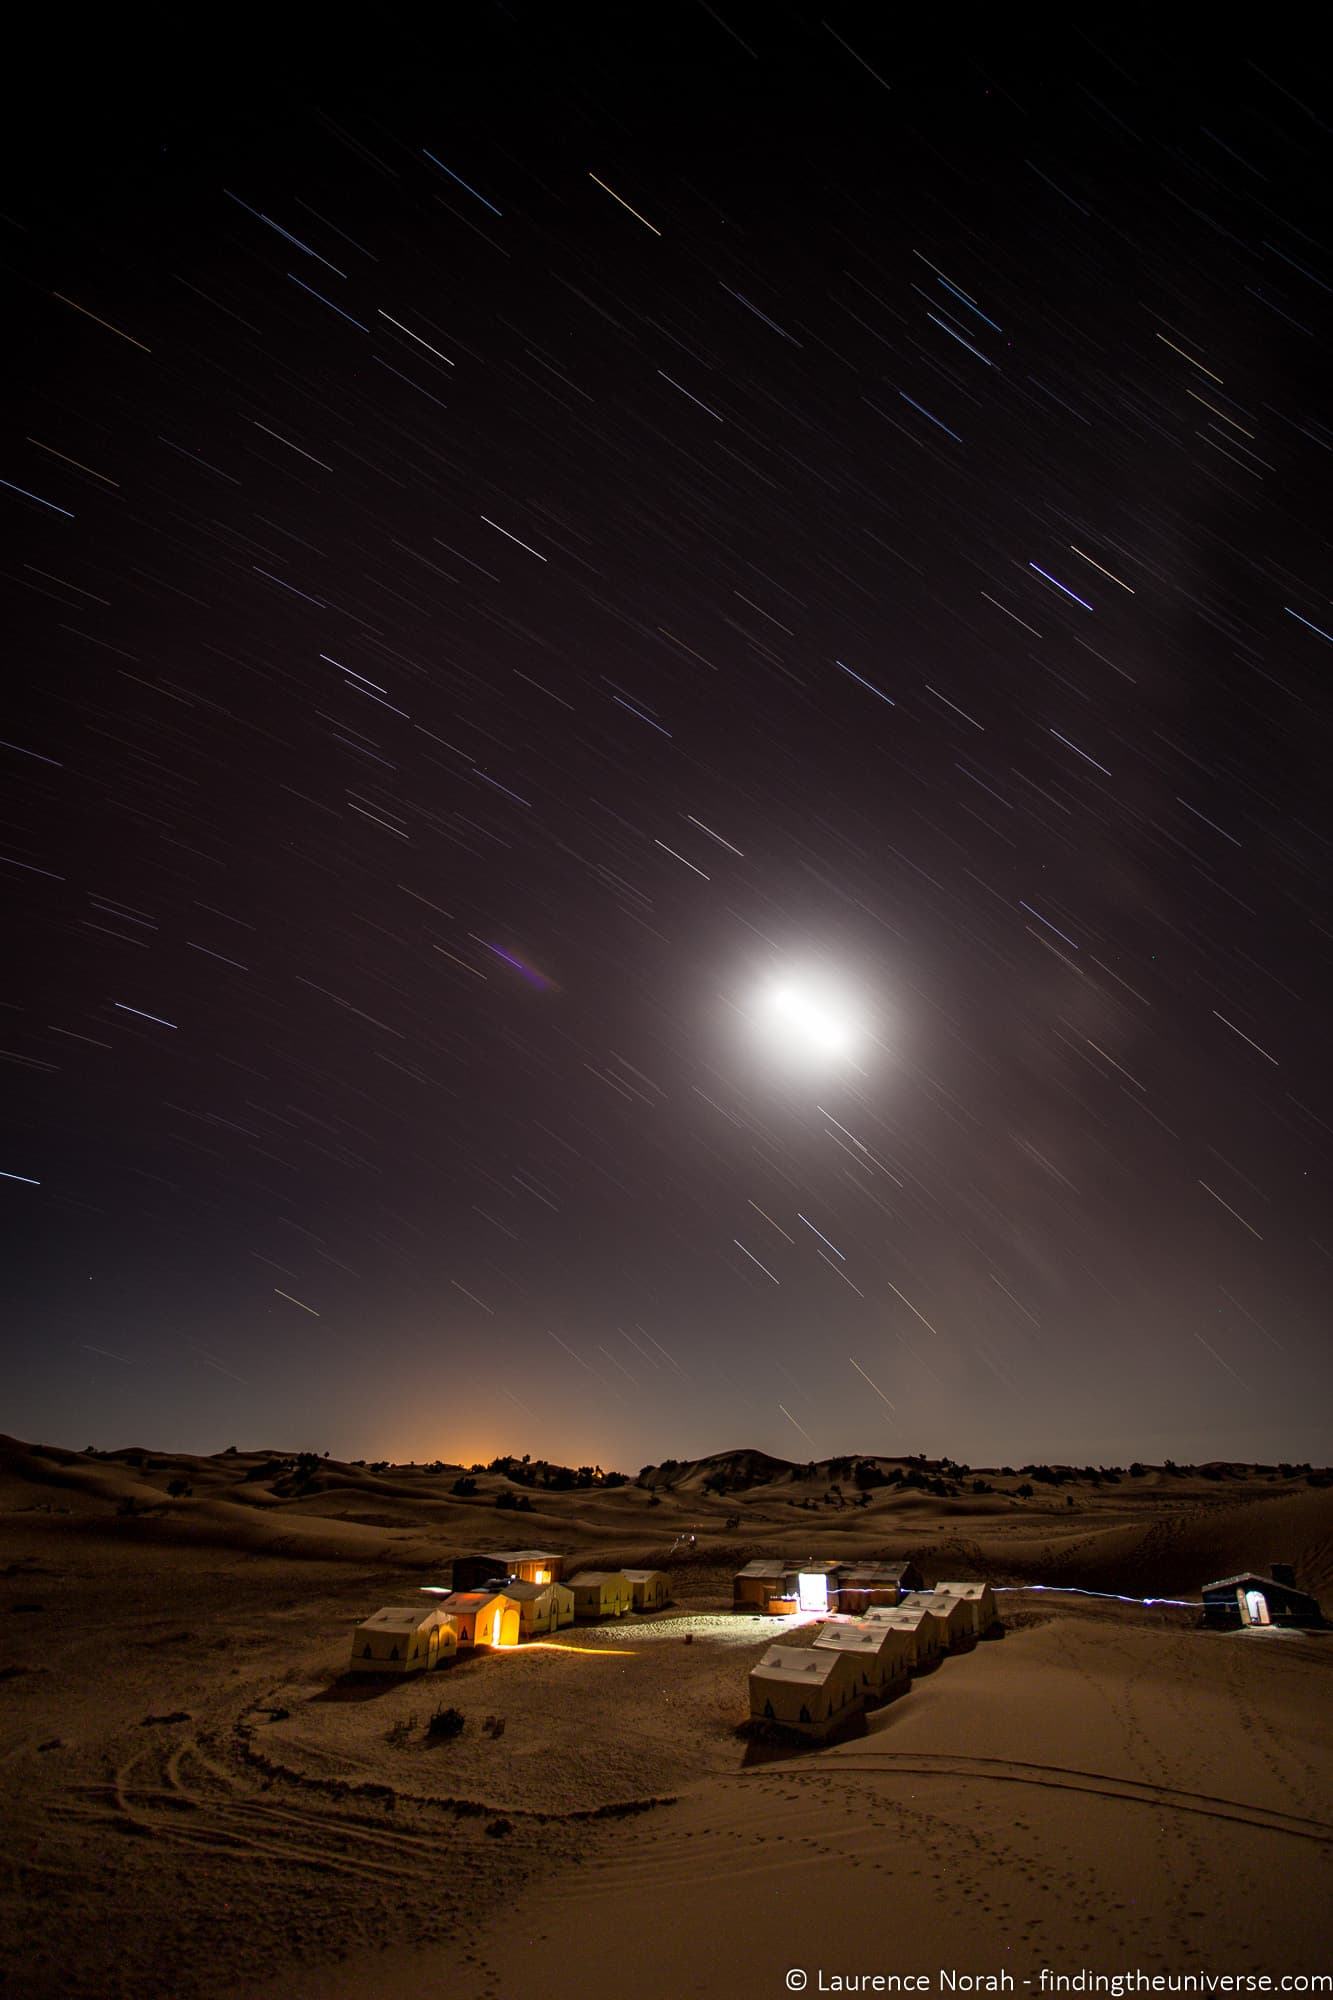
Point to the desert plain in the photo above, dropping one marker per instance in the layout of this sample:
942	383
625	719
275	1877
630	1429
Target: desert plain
197	1802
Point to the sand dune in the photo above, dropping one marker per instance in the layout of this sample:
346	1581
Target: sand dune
196	1805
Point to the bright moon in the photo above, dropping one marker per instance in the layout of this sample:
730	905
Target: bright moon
803	1021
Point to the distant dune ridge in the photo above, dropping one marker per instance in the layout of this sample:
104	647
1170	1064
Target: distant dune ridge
196	1803
1166	1530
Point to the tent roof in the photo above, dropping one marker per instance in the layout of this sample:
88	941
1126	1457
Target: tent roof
909	1613
852	1637
971	1588
865	1572
1267	1582
763	1566
526	1593
642	1575
526	1555
473	1600
400	1617
591	1576
797	1663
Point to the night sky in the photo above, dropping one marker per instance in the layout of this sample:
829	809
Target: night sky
513	548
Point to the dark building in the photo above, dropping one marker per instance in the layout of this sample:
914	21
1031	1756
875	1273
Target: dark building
867	1584
480	1572
1234	1602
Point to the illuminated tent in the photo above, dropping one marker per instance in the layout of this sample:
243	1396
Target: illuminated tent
483	1617
403	1639
981	1600
1254	1601
809	1689
532	1565
542	1607
499	1566
818	1584
650	1588
601	1593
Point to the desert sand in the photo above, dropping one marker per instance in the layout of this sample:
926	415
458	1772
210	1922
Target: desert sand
196	1804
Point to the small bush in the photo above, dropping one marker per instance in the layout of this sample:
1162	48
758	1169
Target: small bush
179	1489
499	1827
445	1724
1024	1491
463	1486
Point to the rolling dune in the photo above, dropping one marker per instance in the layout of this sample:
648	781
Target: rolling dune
197	1805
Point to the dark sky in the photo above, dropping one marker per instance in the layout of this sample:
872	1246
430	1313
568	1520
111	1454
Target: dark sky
514	543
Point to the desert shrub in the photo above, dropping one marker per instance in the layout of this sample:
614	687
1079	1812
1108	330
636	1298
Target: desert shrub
463	1486
1024	1491
982	1486
514	1503
1137	1471
179	1489
272	1468
654	1500
445	1724
499	1827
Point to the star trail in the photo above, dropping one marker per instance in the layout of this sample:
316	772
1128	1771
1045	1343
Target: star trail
511	556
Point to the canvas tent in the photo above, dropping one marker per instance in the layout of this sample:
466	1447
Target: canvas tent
403	1639
650	1589
818	1584
533	1565
869	1584
1253	1601
954	1618
757	1583
912	1617
806	1688
980	1599
542	1607
483	1617
878	1653
600	1593
499	1566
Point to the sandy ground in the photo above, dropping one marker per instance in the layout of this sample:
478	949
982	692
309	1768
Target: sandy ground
195	1805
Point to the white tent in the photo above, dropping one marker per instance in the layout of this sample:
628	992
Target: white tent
403	1639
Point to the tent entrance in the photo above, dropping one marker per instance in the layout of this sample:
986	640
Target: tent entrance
812	1591
1255	1608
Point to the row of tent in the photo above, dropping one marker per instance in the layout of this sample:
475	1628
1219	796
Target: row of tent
850	1663
409	1639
